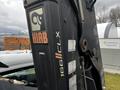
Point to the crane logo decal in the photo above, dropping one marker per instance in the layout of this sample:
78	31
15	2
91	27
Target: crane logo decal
37	20
38	26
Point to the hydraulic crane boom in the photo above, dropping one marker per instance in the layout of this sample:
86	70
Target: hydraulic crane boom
65	44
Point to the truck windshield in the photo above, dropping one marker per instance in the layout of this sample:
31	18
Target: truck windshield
26	76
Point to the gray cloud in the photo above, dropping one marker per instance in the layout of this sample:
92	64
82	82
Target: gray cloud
12	15
107	3
103	7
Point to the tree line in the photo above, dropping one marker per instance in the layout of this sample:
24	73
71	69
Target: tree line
106	15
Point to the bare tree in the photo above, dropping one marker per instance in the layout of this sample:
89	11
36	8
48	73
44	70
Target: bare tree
115	15
101	13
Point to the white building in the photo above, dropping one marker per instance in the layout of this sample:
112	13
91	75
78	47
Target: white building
109	37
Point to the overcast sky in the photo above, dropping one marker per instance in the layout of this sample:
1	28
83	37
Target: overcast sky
108	3
12	13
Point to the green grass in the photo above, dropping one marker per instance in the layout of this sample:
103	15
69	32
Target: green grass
112	81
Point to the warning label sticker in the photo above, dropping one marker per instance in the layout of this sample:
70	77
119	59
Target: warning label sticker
71	67
71	45
72	83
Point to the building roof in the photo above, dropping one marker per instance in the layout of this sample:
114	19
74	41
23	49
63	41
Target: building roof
108	30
